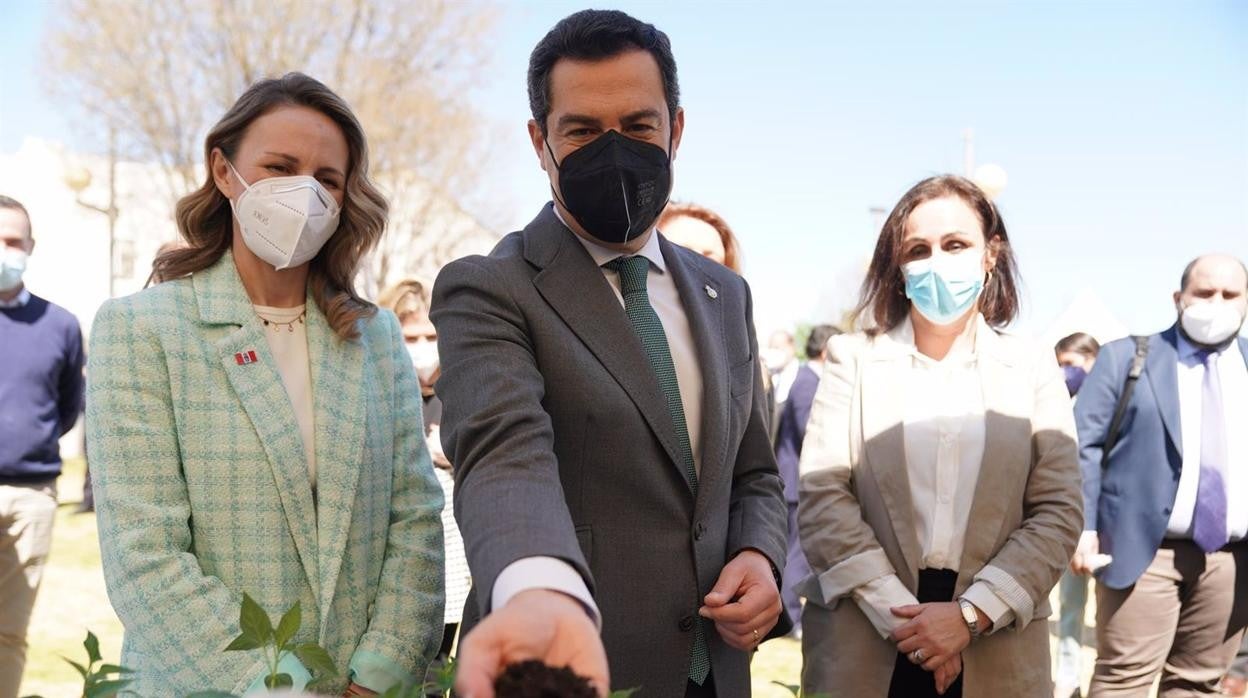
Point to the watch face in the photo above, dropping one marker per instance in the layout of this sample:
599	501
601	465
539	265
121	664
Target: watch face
968	613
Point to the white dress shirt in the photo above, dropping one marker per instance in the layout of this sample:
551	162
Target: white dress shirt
1234	376
944	445
552	573
21	299
290	351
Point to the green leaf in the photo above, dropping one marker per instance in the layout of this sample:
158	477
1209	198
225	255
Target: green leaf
92	643
288	626
106	689
254	622
395	691
278	681
624	693
244	642
113	669
82	670
317	660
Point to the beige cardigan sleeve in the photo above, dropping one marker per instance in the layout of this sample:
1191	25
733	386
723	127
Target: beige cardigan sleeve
842	549
1032	560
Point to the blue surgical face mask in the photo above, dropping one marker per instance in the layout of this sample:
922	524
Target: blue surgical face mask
12	266
944	286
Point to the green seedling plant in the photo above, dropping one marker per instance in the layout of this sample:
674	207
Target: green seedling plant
258	633
102	681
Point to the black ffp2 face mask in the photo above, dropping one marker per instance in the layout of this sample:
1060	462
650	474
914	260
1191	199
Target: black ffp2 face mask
615	186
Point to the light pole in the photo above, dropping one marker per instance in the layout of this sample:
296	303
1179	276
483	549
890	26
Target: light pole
988	177
78	179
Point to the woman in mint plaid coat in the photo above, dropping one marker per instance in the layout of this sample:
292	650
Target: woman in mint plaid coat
254	425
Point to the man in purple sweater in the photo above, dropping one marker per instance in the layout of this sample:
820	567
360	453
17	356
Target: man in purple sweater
41	390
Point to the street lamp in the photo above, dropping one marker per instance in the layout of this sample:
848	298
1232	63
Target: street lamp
78	178
990	178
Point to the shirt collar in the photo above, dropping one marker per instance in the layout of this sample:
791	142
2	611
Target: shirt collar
601	255
23	297
965	350
1189	352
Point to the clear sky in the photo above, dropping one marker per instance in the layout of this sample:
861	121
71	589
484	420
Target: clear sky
1123	128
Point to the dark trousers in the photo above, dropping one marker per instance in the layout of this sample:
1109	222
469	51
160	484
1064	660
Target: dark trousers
796	569
911	680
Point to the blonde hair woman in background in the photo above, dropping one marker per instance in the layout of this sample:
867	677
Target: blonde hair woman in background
254	423
939	498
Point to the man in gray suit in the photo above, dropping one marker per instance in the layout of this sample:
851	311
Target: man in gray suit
617	491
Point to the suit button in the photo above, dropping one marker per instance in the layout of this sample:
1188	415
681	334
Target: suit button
699	531
686	624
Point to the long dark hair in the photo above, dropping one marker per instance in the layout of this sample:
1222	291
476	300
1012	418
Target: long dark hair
205	220
883	303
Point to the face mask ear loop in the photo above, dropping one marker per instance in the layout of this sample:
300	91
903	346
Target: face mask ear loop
236	174
557	171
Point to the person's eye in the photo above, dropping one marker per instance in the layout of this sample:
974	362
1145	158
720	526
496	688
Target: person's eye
580	132
331	184
641	128
280	169
917	252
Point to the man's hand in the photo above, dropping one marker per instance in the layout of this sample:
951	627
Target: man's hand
1089	545
745	603
947	673
536	624
936	629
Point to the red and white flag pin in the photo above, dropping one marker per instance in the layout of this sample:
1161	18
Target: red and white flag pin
246	357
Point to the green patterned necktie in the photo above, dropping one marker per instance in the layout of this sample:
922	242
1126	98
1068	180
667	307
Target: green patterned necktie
646	323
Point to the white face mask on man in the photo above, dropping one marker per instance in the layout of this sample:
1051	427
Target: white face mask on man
1210	322
285	221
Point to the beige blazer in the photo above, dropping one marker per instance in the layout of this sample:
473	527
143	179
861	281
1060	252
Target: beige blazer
856	517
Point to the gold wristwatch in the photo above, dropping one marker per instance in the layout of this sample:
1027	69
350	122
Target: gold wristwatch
971	616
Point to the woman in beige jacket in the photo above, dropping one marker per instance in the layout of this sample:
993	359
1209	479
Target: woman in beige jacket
940	483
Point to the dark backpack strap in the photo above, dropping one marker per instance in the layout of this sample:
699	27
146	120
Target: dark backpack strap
1133	375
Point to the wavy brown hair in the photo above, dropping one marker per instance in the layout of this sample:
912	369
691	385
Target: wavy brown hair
883	302
206	222
732	248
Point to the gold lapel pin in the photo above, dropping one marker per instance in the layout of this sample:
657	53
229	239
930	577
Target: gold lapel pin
711	292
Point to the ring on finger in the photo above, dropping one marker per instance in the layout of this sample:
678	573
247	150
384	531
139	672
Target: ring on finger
917	656
756	639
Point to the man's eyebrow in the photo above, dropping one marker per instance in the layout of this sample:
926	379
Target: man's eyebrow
578	120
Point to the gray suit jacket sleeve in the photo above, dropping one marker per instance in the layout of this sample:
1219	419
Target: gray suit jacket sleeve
758	517
508	498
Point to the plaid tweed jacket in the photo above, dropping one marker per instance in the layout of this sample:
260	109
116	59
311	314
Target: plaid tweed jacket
203	493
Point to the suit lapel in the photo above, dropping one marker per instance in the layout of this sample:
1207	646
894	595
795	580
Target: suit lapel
340	416
884	445
577	290
706	323
258	386
1162	371
1006	425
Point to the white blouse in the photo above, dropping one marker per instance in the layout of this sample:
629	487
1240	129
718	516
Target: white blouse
288	340
944	444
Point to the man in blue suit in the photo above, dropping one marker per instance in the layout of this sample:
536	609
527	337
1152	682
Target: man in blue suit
1169	500
790	433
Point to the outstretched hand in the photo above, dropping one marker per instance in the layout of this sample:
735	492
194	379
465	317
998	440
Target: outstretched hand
535	624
